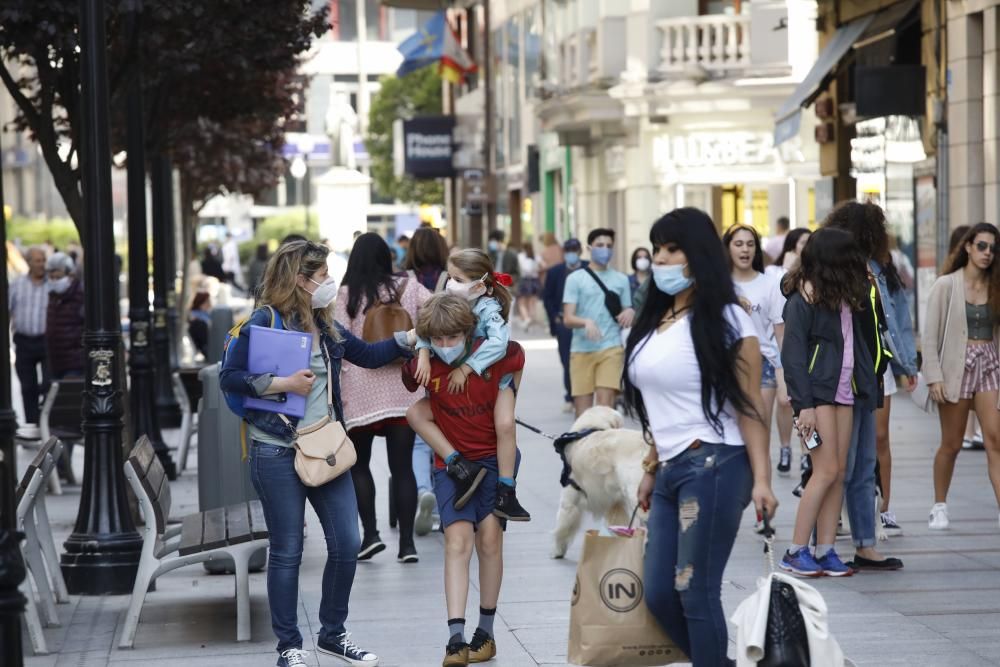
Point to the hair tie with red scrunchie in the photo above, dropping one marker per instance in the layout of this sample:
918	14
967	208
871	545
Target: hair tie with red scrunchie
503	278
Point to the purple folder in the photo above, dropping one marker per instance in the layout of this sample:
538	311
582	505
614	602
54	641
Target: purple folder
281	352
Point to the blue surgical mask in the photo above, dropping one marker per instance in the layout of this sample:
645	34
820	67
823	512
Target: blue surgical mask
572	258
449	354
671	279
493	246
602	255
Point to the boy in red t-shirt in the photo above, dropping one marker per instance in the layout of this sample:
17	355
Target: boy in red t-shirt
467	420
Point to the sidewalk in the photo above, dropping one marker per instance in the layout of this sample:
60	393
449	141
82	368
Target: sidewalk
943	609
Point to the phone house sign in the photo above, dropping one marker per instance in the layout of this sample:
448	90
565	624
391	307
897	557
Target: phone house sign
713	149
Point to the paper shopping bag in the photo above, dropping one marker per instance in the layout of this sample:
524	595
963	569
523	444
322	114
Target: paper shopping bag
609	624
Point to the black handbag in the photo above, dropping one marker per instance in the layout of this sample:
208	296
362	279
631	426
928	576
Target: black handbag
611	300
786	642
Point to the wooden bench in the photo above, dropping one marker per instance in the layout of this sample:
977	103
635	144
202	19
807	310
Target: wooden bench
39	548
236	532
62	417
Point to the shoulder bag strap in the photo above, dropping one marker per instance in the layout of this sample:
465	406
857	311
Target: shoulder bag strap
597	280
442	279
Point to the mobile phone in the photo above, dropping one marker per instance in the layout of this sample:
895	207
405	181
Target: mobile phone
813	441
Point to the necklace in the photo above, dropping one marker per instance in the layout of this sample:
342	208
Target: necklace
672	315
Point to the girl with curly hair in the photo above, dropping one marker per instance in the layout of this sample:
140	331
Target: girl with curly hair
828	370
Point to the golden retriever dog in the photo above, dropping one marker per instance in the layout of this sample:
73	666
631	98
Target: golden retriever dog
607	465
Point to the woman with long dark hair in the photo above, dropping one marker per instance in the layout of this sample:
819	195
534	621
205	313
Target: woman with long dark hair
427	258
866	223
375	400
961	364
795	241
708	445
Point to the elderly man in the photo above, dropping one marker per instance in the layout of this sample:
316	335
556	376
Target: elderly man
28	305
64	326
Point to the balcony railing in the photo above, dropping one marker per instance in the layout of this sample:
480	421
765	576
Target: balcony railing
716	43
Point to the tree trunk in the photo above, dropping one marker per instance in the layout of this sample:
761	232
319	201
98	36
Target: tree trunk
188	215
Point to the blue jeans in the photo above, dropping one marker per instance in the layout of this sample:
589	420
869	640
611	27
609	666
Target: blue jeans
859	479
697	505
283	497
564	338
423	458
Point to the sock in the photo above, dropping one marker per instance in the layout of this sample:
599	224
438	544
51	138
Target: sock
486	620
794	549
823	549
450	458
509	481
456	628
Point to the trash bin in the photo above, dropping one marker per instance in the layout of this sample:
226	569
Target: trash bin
223	475
222	322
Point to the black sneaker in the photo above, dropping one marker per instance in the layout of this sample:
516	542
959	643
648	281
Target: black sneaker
805	463
342	647
370	545
407	554
507	506
467	476
293	657
785	461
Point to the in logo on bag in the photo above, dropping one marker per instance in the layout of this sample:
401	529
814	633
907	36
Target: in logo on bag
621	590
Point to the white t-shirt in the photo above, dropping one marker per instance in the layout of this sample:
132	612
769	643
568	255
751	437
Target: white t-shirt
527	265
766	303
665	369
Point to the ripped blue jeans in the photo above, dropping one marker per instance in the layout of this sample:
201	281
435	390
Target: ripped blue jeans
697	504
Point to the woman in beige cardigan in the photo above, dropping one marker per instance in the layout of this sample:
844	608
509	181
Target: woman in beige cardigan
961	363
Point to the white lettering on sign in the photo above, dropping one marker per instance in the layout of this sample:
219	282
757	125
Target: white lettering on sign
710	149
428	146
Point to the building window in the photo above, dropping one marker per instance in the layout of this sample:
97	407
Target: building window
346	16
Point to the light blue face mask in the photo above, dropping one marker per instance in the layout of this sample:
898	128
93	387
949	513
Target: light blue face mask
671	279
449	354
572	258
602	255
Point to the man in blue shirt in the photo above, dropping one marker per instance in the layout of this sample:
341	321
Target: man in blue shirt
552	297
596	353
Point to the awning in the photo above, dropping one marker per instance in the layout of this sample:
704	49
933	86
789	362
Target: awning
858	33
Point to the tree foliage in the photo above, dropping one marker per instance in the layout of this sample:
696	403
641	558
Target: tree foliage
414	94
218	82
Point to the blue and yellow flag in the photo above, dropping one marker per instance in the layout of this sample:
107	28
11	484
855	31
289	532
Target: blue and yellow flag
435	43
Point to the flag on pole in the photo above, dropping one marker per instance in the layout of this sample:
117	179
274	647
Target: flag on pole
436	42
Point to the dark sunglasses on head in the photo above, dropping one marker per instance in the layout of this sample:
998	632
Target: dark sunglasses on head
982	246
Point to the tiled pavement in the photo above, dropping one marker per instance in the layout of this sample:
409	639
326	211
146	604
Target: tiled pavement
942	609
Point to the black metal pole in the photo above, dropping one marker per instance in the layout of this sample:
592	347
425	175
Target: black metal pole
142	394
102	554
11	600
164	275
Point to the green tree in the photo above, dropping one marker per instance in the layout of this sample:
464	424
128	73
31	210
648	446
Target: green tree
417	93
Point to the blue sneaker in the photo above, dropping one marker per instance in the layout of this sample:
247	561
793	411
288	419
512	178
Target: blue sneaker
801	563
293	657
342	647
833	566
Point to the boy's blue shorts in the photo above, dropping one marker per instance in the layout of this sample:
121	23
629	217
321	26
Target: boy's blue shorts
480	505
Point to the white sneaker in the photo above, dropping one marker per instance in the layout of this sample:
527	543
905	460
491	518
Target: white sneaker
568	407
426	505
939	517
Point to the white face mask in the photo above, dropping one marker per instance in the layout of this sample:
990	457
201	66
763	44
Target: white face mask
324	294
465	290
59	285
642	264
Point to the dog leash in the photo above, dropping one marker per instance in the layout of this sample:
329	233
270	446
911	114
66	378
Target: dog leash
535	430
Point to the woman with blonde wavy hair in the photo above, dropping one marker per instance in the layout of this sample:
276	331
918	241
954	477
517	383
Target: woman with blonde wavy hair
296	285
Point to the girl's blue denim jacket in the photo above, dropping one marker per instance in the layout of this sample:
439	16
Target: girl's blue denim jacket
234	377
897	316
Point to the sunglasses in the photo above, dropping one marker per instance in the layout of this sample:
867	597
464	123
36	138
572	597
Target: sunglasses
983	246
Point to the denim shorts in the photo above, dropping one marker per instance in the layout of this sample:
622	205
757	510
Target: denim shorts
768	379
480	505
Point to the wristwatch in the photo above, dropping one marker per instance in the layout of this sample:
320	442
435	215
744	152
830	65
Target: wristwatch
650	466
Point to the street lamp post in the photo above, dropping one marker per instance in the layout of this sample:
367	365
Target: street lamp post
11	600
299	170
164	275
142	397
102	554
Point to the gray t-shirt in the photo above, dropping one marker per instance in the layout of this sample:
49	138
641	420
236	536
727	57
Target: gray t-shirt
316	405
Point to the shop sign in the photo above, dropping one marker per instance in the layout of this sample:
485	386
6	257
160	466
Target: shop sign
428	146
714	149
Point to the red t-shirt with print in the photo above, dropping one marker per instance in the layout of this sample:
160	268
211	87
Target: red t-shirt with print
466	418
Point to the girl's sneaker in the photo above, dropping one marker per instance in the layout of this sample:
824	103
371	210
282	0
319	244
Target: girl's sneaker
507	506
482	648
939	517
801	563
785	461
833	566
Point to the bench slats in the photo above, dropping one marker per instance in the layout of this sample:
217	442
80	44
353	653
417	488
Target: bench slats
214	529
238	523
37	463
142	456
257	524
191	534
